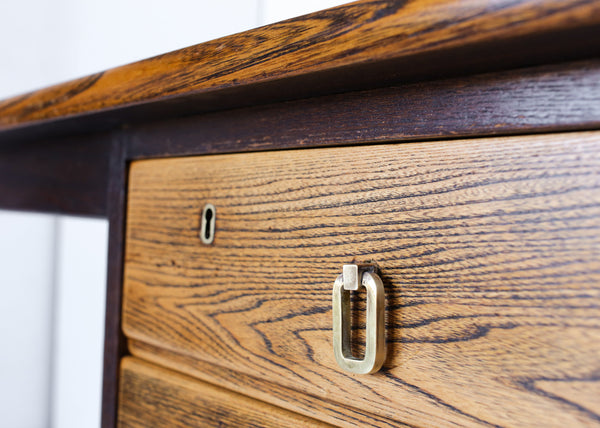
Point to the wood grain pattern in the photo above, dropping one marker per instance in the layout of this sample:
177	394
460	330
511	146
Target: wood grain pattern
383	39
539	99
155	397
335	413
68	176
489	250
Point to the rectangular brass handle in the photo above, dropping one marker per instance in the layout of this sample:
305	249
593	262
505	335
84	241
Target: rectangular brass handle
375	337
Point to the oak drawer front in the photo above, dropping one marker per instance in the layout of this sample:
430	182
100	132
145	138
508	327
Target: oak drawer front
152	396
489	251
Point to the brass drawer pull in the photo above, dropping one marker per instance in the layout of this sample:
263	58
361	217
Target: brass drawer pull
375	330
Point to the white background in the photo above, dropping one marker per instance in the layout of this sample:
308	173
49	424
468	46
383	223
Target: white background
52	268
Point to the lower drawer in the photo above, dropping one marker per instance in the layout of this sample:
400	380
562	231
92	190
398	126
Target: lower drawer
151	396
489	251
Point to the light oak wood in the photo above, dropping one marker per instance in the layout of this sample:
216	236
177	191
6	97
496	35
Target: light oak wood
394	38
489	250
327	410
151	396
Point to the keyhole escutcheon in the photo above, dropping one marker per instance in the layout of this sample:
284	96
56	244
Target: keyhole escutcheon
207	228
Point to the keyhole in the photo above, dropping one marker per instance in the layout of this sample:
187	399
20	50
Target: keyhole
207	230
207	216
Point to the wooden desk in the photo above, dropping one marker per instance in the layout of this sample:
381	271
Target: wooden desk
453	144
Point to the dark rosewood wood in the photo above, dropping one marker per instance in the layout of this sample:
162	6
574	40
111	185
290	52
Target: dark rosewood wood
548	98
360	44
71	175
67	176
114	341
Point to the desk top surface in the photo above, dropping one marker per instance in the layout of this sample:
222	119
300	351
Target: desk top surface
361	44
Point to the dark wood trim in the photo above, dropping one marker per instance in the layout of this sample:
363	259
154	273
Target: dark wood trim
66	176
70	175
356	46
541	99
114	340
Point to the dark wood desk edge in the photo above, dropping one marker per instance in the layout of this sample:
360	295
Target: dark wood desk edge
358	46
70	174
490	104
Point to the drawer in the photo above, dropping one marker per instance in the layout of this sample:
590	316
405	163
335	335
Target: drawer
152	396
489	250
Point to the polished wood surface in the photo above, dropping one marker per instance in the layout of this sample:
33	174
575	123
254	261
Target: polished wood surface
70	175
489	250
538	99
493	278
335	413
385	39
154	397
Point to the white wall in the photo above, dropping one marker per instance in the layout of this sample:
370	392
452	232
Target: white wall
52	269
78	305
26	272
278	10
